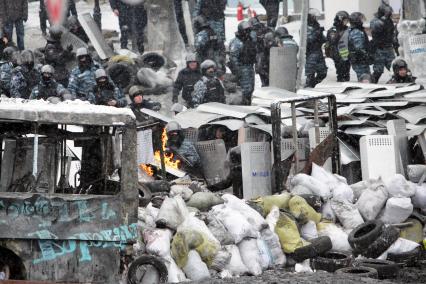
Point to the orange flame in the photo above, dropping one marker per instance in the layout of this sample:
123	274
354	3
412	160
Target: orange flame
168	157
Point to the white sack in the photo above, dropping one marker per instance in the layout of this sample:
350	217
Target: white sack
236	265
309	231
195	269
347	213
250	255
372	200
397	210
399	187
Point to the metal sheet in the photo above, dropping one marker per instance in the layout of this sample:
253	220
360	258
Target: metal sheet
256	169
413	115
229	110
248	134
283	63
95	35
195	119
69	38
362	131
272	93
156	115
231	124
399	130
213	159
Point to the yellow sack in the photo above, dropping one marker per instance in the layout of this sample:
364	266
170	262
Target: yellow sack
267	202
288	233
413	233
187	240
302	211
121	58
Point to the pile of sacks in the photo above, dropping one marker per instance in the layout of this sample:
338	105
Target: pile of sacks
202	235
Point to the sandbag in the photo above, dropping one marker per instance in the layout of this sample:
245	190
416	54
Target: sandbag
184	241
192	223
252	216
221	260
338	237
397	210
148	215
249	252
288	233
181	190
419	198
343	191
195	269
309	231
399	187
273	217
327	212
315	186
236	265
265	254
322	175
267	202
219	230
235	223
172	213
347	213
399	247
301	210
273	243
337	184
358	188
372	200
204	201
301	190
157	241
175	274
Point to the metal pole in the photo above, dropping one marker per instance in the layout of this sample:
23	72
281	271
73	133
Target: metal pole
276	136
303	39
285	8
97	15
163	164
295	141
35	152
332	106
316	123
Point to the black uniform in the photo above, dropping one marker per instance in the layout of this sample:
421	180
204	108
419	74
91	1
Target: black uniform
56	56
181	20
132	18
42	13
185	82
334	34
272	10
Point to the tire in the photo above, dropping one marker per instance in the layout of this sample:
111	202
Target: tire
318	246
145	195
122	74
385	269
407	259
359	271
332	261
365	234
146	260
381	244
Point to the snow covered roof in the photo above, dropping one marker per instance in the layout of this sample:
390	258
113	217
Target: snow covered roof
69	112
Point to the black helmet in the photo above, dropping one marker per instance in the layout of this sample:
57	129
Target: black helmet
385	11
340	17
8	52
269	39
207	64
244	27
255	22
356	19
282	32
199	23
313	14
16	58
399	64
27	57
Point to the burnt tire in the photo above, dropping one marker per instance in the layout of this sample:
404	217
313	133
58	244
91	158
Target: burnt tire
359	271
143	261
365	234
385	269
317	247
332	261
382	243
406	259
122	74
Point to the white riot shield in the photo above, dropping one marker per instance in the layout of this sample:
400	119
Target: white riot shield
213	159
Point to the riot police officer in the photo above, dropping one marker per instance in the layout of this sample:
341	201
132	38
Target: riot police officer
209	88
48	88
243	57
106	92
82	78
6	67
207	43
24	77
214	12
358	45
132	19
382	44
186	80
56	56
315	67
284	38
334	34
401	73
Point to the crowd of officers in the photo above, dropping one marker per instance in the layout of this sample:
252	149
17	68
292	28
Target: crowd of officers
346	43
